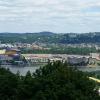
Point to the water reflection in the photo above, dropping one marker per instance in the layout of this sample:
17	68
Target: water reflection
21	70
90	69
32	69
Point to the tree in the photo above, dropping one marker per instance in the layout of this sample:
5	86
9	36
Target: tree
8	85
59	82
55	81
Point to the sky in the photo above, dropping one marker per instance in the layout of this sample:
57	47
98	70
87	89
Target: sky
60	16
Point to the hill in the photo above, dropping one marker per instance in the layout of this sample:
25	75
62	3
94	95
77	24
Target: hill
49	37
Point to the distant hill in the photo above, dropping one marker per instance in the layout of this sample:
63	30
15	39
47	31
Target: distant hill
49	37
46	33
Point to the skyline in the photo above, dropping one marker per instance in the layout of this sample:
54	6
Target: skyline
60	16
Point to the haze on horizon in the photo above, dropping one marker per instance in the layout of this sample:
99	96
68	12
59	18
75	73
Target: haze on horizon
54	15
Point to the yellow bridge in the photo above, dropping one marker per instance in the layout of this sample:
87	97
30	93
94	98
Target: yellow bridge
94	79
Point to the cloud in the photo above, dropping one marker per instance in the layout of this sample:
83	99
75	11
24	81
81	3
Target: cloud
52	15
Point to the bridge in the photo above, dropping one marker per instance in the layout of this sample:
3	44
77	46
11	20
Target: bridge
94	79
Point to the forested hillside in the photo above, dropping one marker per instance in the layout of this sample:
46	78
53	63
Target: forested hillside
55	81
48	37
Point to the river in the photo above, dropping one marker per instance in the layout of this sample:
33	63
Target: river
21	70
89	69
32	69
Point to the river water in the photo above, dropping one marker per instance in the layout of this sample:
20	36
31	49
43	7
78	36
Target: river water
21	70
90	69
32	69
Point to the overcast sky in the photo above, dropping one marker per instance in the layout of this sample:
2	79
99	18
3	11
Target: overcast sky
49	15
